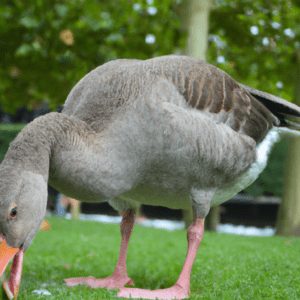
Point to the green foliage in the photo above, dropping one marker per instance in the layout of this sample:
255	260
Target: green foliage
48	46
259	60
270	181
7	135
226	266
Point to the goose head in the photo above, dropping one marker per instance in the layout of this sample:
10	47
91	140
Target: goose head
23	199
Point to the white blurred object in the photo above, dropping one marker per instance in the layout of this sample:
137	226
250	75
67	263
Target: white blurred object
221	59
254	30
42	292
101	218
177	225
279	85
152	10
289	32
266	41
137	6
163	224
243	230
150	39
275	25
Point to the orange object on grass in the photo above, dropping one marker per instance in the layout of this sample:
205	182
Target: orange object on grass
46	226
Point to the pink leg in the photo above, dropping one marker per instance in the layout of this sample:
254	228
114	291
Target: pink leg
119	278
181	289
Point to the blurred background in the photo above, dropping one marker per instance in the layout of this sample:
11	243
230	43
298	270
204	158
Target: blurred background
46	47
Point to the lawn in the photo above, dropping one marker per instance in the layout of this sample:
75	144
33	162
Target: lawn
226	266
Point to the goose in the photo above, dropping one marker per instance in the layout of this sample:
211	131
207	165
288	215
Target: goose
169	131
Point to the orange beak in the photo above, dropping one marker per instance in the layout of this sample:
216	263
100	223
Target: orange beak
6	254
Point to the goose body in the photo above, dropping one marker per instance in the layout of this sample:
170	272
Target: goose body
170	131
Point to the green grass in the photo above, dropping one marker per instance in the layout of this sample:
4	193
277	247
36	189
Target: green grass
226	266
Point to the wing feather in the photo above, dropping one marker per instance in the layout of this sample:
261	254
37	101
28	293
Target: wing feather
214	92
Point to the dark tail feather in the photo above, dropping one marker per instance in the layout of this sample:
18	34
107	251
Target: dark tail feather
288	113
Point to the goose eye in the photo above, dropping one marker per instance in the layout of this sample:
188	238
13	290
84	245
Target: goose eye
13	212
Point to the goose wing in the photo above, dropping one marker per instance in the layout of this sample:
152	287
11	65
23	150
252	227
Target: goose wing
212	91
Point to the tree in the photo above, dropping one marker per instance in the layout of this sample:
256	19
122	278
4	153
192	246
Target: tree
48	46
195	21
288	221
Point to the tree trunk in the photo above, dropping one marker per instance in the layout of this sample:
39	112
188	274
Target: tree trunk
195	21
288	219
